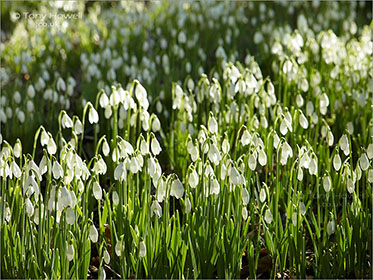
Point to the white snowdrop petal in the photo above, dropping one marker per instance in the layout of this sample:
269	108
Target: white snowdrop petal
142	249
268	216
93	234
97	191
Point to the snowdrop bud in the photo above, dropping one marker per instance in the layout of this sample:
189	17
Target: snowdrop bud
309	108
214	154
252	162
115	198
105	148
327	183
106	257
364	162
299	100
177	189
29	207
93	234
70	216
262	157
330	228
17	97
350	185
102	273
303	121
118	248
225	146
104	100
141	95
31	91
344	144
283	127
97	191
268	216
144	147
78	127
61	85
246	138
142	249
337	162
193	179
370	151
92	115
212	125
114	98
245	214
66	121
70	252
17	149
300	174
235	176
262	195
155	147
245	196
21	116
51	146
156	209
65	197
313	166
156	125
57	170
214	187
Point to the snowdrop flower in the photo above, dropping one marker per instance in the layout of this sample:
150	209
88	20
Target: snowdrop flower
262	157
303	121
66	121
245	196
235	176
92	115
177	189
313	166
337	162
344	144
245	138
70	216
51	146
97	191
70	252
364	162
193	179
225	146
155	147
105	148
327	183
106	257
61	85
262	195
144	147
188	206
212	125
330	228
15	169
156	125
252	161
214	154
93	233
78	127
57	170
370	151
268	216
142	249
214	187
104	100
299	100
350	185
118	248
114	98
155	208
65	199
31	91
141	95
29	207
115	198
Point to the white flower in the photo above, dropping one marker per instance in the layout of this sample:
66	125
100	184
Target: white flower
31	91
225	146
61	85
142	249
262	157
350	185
93	234
92	115
118	248
144	147
70	216
252	161
337	162
302	209
268	216
15	169
177	189
155	147
106	257
370	151
51	146
214	154
70	252
245	213
156	125
214	187
212	125
78	127
344	144
105	148
97	191
66	199
283	127
262	195
246	138
115	198
156	209
303	121
193	179
327	183
104	100
114	98
330	228
29	207
57	170
120	172
245	196
313	166
364	162
141	95
235	176
66	121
